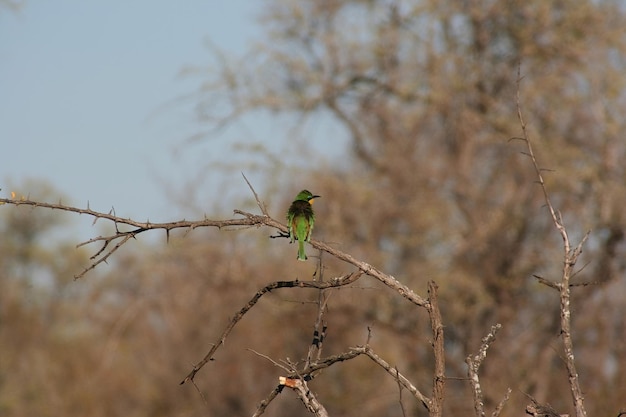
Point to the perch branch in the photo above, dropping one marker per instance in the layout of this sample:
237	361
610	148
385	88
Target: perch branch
247	220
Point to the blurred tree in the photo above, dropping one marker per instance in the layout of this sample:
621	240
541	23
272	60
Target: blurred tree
34	270
25	232
425	93
11	4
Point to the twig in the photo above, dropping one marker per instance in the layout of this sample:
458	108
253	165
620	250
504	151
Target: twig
270	360
548	283
500	406
557	285
256	196
263	405
400	393
206	403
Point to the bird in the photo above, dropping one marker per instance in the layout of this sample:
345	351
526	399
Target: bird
300	219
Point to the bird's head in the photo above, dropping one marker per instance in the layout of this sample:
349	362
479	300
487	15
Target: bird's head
306	195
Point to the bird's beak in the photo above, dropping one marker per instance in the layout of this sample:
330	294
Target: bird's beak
312	198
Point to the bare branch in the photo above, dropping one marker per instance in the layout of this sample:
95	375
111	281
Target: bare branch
368	269
555	218
310	372
337	282
439	378
263	405
557	285
400	394
270	360
319	329
137	227
548	283
393	371
570	256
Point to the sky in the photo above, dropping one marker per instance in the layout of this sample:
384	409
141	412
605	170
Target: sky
90	97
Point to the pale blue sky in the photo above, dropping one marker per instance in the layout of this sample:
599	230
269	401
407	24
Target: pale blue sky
88	95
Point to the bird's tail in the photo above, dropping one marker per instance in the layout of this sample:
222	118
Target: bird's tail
301	254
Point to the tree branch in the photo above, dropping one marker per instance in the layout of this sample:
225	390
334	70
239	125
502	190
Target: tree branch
473	364
570	256
310	372
248	220
337	282
436	324
263	405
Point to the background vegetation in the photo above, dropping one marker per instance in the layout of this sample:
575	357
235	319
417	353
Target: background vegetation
431	188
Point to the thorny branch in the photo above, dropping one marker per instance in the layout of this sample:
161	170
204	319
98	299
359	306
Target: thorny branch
120	237
570	256
247	220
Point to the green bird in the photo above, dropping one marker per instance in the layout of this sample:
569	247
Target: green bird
301	219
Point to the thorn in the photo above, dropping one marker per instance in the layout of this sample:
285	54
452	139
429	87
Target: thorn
516	138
